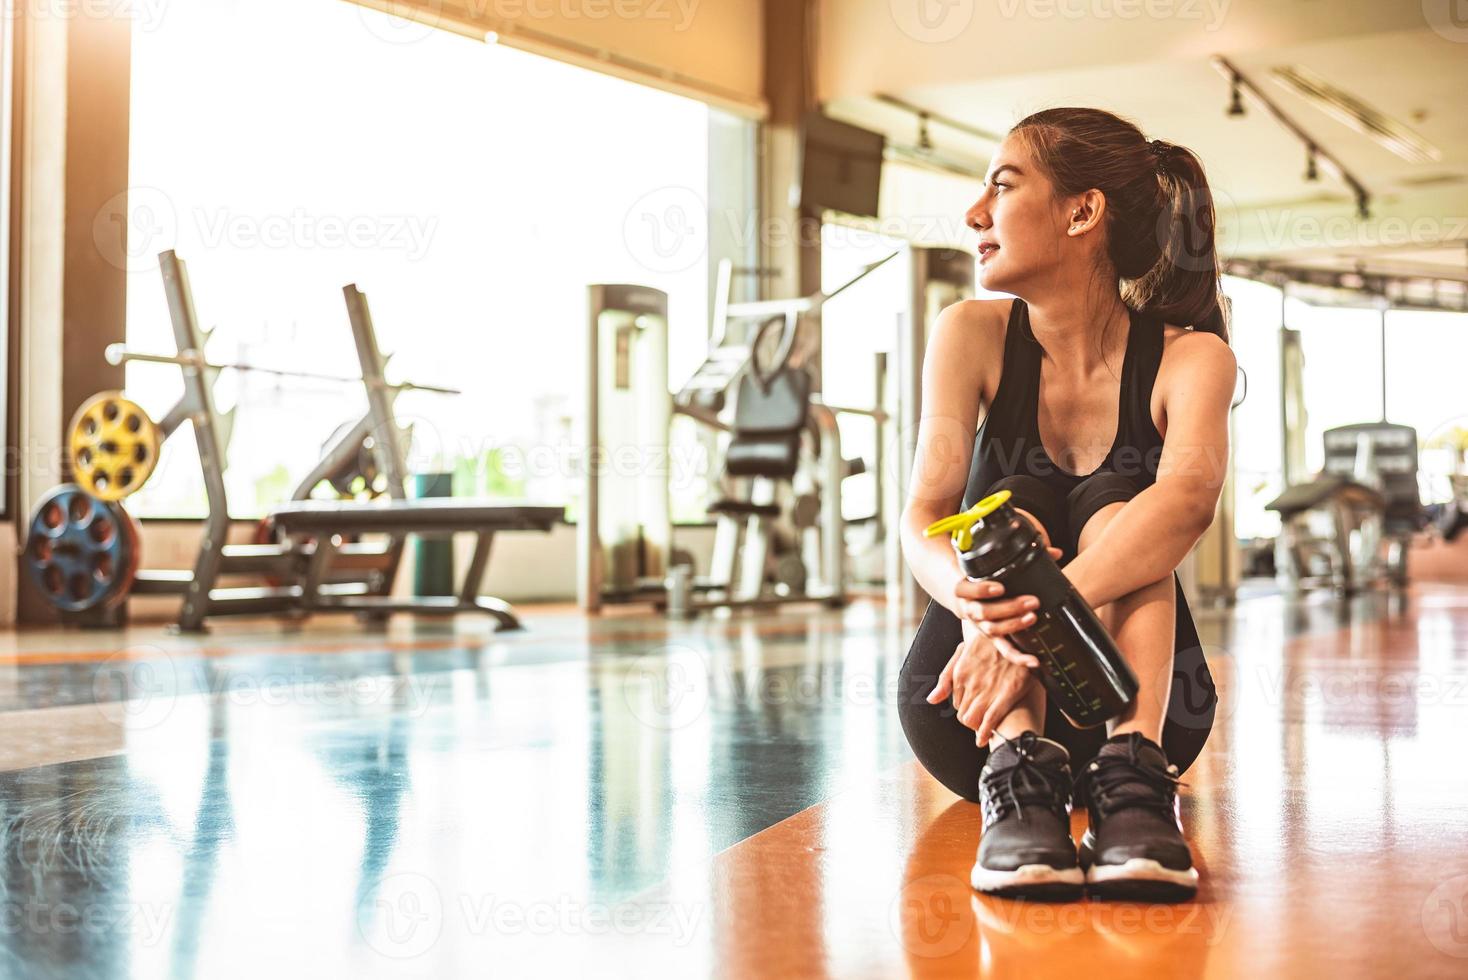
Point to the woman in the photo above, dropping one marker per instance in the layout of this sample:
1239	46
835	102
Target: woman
1105	389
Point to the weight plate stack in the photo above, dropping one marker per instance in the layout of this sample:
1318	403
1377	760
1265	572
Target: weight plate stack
82	553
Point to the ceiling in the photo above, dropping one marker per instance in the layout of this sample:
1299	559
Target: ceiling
1418	222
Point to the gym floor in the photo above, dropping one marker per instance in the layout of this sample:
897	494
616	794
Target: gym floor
731	796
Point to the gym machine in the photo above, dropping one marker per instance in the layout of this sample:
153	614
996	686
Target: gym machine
314	567
779	533
1351	526
939	277
624	528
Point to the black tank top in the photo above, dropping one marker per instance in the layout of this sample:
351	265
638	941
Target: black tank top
1008	442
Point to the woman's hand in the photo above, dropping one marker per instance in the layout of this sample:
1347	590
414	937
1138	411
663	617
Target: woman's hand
996	615
984	686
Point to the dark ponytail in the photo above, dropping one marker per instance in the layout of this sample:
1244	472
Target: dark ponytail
1159	210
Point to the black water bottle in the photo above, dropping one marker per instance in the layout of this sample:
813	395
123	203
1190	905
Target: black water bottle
1080	665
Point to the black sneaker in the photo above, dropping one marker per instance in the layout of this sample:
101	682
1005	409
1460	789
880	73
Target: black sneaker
1134	849
1026	850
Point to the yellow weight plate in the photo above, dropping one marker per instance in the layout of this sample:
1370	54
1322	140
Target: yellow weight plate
114	446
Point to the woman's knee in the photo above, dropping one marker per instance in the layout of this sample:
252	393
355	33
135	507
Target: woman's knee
1095	493
939	740
1031	494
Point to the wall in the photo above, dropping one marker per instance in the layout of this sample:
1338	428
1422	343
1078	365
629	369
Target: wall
906	45
710	49
72	150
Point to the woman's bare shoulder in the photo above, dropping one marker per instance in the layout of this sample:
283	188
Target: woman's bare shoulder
1190	355
969	337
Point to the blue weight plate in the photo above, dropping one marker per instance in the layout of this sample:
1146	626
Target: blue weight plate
78	550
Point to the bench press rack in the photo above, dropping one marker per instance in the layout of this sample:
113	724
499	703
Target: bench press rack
316	570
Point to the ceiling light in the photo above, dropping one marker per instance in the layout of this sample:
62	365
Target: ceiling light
1365	119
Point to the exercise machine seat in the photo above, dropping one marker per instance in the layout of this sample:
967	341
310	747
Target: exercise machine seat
1309	496
769	416
446	514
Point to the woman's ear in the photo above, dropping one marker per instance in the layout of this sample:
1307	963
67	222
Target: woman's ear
1085	213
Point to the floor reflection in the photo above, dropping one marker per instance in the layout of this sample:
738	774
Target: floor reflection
737	790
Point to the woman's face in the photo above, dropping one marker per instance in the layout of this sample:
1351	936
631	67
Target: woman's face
1019	222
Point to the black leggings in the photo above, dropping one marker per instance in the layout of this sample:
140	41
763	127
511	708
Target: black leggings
945	746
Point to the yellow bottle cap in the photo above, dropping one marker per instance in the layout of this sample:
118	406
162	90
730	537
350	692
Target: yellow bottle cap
961	525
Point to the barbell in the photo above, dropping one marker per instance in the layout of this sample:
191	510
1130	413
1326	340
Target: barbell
122	354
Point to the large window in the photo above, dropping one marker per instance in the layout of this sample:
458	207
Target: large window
1342	372
286	148
1424	389
1256	449
1343	380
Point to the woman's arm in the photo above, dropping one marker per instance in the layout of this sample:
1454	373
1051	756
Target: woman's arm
965	337
1154	531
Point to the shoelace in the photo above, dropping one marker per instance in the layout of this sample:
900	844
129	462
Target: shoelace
1116	782
1025	782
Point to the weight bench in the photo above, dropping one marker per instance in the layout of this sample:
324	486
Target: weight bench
321	520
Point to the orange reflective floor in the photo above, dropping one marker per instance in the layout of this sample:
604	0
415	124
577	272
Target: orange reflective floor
729	797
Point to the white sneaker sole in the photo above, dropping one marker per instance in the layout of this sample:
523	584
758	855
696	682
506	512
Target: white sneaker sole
1142	879
1029	880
